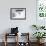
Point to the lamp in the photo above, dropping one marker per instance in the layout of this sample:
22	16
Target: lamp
14	30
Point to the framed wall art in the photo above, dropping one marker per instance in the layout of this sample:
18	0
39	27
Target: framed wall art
41	8
17	13
41	12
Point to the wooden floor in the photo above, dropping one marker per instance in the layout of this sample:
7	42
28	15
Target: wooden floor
13	44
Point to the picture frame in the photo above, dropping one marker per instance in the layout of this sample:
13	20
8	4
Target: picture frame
41	8
17	13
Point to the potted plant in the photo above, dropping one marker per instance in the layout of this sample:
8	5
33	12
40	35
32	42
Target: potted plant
39	35
38	27
42	27
35	26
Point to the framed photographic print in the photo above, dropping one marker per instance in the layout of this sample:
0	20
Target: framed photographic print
41	8
41	12
18	13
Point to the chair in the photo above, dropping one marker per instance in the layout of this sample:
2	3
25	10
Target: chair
7	34
25	36
14	32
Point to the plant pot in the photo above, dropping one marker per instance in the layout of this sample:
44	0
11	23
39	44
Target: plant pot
40	41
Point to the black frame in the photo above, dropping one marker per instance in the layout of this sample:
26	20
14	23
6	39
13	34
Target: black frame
17	18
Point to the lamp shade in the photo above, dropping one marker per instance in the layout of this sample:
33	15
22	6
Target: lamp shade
14	30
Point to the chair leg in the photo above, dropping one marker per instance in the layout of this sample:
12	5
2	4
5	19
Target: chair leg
5	40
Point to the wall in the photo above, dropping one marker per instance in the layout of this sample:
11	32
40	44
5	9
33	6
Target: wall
24	25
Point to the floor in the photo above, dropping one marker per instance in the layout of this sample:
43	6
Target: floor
13	44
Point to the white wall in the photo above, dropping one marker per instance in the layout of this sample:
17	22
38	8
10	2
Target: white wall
24	25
